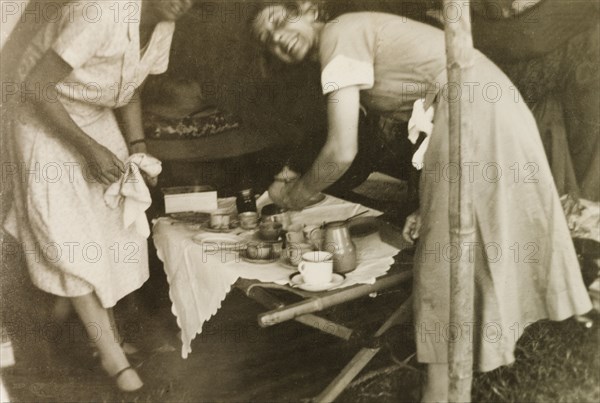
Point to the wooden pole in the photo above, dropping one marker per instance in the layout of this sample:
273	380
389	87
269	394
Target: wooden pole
459	52
332	298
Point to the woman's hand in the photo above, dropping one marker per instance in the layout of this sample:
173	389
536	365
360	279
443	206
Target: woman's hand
288	195
276	192
279	192
104	166
150	180
412	227
142	149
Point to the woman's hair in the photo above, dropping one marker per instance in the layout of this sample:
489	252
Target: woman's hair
268	63
293	7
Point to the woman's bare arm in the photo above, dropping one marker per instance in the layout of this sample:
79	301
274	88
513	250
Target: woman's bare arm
43	95
337	154
130	119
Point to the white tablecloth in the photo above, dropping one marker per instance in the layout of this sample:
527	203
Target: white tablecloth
199	281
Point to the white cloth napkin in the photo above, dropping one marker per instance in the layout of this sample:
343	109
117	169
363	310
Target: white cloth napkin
131	191
199	279
420	121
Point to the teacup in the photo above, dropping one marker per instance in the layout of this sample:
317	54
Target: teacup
270	230
315	235
219	219
316	267
294	237
258	251
276	248
295	250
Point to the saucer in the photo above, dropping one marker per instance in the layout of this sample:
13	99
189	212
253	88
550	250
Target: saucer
286	263
245	258
296	281
222	241
191	217
206	227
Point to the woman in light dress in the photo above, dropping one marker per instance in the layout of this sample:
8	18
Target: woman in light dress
526	268
78	119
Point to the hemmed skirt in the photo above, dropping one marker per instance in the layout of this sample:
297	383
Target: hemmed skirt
526	268
73	243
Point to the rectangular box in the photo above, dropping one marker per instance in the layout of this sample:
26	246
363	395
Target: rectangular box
190	198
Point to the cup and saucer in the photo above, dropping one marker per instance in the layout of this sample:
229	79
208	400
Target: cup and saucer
219	230
262	252
220	222
315	272
296	280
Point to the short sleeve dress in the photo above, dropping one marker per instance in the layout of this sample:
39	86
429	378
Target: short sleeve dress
526	268
73	243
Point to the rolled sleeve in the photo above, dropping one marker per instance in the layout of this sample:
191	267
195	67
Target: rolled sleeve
344	72
347	54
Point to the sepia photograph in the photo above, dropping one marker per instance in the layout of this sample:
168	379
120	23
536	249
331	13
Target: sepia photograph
361	201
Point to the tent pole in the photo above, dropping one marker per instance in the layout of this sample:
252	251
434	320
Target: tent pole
459	52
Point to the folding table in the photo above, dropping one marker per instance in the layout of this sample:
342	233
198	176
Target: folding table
200	280
304	311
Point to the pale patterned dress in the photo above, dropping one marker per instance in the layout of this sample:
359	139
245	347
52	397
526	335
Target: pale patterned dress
74	243
526	268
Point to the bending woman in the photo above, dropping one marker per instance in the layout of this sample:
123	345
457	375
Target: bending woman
526	267
82	76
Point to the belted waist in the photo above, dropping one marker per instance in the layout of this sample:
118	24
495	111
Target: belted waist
390	128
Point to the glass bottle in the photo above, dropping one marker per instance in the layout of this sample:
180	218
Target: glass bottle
245	201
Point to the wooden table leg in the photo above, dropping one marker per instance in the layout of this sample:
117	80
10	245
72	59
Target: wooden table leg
363	357
326	326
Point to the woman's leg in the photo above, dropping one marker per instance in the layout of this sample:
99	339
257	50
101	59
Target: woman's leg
61	309
127	347
436	384
97	321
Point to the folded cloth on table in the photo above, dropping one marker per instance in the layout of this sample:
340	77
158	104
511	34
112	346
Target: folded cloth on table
131	191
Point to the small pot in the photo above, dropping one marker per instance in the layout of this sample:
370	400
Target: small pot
270	230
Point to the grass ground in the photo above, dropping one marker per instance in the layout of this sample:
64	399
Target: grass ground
556	362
